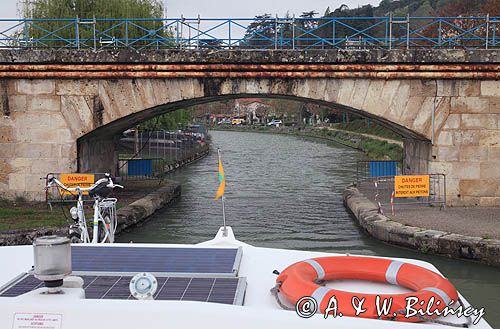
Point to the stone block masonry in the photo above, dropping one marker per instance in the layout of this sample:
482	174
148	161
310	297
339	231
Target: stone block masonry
65	120
453	245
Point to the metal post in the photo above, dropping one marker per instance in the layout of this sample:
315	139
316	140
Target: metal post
224	217
333	32
140	149
293	32
177	33
229	33
198	33
493	33
224	232
276	32
126	33
440	34
386	41
281	36
408	31
136	140
77	32
26	31
487	29
93	29
390	31
182	30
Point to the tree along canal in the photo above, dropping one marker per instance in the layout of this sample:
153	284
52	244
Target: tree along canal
286	192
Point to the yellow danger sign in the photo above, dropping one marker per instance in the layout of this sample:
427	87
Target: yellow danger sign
411	186
74	180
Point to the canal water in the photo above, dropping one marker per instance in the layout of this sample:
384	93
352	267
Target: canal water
286	192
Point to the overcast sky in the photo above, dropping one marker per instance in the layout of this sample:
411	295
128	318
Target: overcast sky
220	9
230	8
250	8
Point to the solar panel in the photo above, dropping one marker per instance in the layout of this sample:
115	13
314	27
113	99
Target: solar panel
179	261
224	290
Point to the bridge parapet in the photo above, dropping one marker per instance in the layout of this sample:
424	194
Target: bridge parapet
204	56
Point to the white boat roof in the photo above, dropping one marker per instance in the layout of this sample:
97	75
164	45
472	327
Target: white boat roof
260	309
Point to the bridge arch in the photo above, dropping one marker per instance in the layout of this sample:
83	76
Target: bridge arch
124	103
400	104
92	111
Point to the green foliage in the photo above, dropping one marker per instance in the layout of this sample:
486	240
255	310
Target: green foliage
261	32
170	121
87	9
425	248
99	8
361	126
373	148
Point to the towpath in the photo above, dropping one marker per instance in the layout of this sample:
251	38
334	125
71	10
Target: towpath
482	222
384	139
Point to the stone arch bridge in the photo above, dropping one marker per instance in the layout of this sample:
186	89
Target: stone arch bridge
61	110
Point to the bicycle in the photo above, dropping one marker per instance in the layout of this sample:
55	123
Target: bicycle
104	218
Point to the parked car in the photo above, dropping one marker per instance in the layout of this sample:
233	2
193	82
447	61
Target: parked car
237	121
275	123
224	122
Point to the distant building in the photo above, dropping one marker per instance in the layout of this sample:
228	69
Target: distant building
254	109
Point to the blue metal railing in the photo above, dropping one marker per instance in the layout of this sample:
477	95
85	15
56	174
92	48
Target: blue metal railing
253	33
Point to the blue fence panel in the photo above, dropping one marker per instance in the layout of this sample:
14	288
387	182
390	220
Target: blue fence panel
383	168
140	167
297	33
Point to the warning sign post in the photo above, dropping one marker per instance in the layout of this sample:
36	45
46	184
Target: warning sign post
411	186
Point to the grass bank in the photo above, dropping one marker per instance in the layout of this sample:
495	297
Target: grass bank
355	138
24	215
373	148
362	127
28	215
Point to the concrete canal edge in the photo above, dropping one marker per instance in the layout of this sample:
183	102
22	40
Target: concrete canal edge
453	245
128	216
139	210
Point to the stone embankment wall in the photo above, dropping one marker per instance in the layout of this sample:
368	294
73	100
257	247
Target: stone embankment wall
138	211
128	216
428	241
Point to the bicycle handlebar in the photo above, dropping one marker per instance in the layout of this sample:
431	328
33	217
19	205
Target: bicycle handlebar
51	180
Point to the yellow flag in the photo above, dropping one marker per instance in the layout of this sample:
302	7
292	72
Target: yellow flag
222	181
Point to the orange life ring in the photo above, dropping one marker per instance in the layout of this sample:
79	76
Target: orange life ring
301	279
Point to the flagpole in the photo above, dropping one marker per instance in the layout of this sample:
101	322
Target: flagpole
224	232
